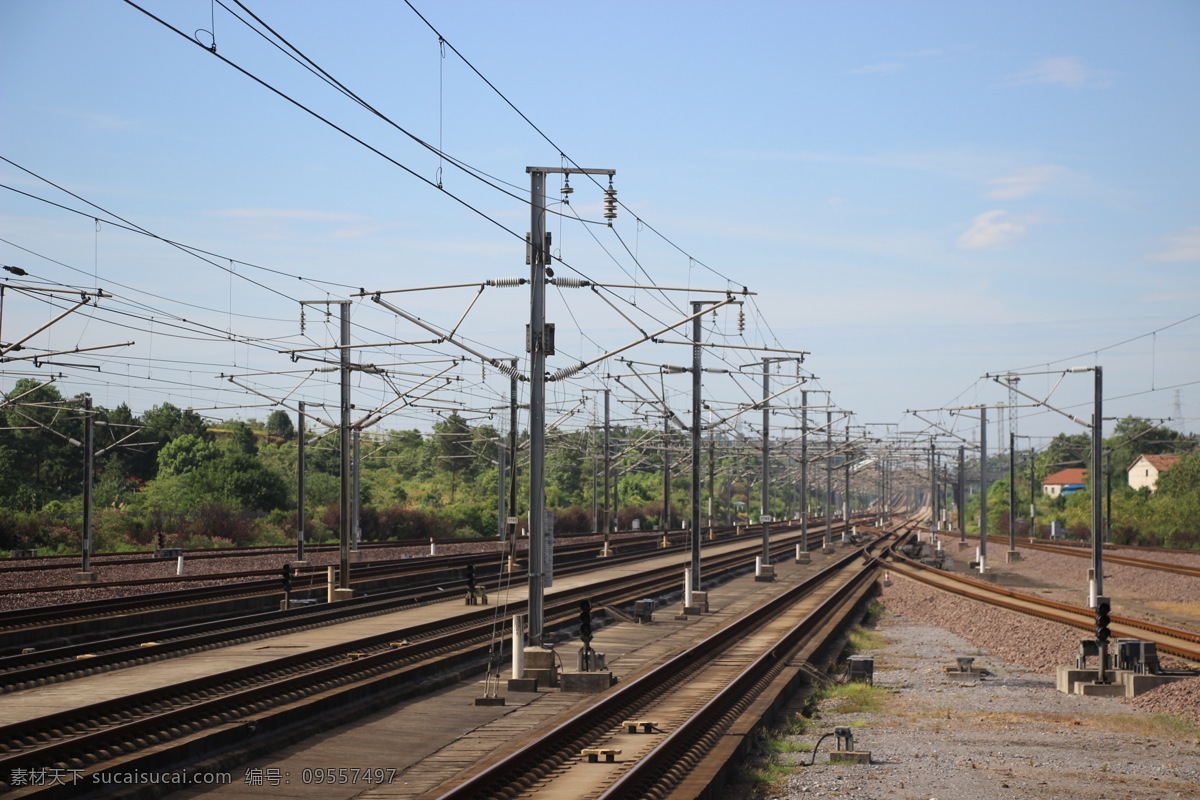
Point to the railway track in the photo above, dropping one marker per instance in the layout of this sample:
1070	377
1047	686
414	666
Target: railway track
1182	643
257	591
673	729
173	727
1112	555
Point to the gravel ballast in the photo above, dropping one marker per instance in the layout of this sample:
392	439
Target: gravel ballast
1010	735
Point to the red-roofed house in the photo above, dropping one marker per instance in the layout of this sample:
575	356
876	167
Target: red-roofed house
1147	468
1065	481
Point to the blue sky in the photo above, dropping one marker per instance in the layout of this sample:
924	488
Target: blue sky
919	193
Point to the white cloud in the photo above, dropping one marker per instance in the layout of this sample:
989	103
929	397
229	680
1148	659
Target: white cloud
1183	246
1024	182
993	230
1066	71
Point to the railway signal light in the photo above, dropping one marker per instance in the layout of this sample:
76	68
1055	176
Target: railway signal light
288	571
1103	609
470	578
585	622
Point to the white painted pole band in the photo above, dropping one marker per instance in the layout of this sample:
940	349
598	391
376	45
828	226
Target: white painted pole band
518	646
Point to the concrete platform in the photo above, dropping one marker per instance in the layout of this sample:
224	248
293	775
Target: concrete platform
1100	689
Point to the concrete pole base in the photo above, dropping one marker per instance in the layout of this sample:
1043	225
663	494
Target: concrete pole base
86	577
803	558
355	556
1011	556
299	564
343	594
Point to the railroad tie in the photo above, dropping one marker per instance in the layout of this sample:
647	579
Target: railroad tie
593	754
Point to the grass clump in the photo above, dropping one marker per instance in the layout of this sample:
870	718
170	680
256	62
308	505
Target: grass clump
853	698
861	638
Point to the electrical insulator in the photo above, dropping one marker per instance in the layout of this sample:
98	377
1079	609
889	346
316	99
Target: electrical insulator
741	320
572	283
302	319
610	202
566	372
566	189
506	283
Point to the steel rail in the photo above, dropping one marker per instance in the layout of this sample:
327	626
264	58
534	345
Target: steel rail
1182	643
529	763
78	746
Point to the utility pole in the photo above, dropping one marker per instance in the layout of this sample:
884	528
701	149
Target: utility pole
767	571
608	516
666	459
344	592
537	400
694	566
983	490
1097	508
962	497
846	469
828	479
89	465
539	348
356	499
511	527
804	470
1012	495
300	515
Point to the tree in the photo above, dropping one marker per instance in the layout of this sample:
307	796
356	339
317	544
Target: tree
36	464
1181	480
186	454
166	422
1064	451
241	439
279	423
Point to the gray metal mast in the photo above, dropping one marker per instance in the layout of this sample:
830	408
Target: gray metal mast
666	512
538	257
828	478
1097	512
962	497
89	436
765	511
608	516
356	495
344	444
695	532
537	400
1012	490
512	458
804	470
300	515
846	468
983	487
